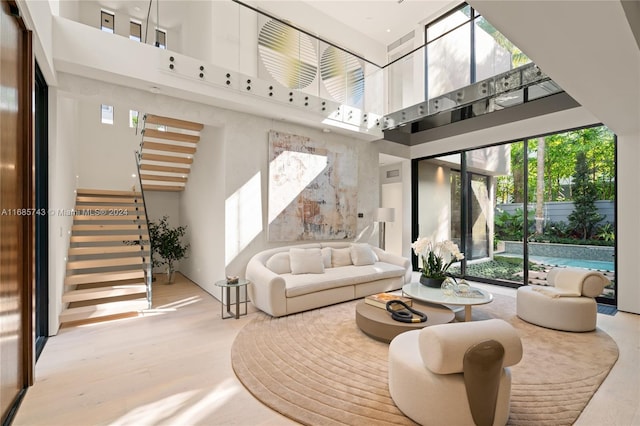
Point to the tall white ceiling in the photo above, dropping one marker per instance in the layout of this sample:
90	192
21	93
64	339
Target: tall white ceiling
384	21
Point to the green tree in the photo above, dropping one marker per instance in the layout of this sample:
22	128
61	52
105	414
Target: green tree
584	217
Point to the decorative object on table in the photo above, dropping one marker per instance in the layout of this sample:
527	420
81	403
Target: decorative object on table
380	300
436	258
402	312
449	286
166	242
384	215
462	288
232	279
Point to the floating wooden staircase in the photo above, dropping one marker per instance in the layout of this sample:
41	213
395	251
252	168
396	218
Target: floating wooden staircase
106	269
167	150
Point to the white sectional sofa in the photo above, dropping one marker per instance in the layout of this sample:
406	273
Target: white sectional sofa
291	279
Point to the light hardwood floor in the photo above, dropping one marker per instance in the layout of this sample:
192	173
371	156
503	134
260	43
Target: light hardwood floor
172	367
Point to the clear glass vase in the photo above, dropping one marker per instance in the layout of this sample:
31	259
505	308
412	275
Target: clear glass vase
449	287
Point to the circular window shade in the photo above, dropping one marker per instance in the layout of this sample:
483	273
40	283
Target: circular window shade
343	76
288	55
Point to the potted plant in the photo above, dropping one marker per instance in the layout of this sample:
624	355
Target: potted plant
167	243
436	257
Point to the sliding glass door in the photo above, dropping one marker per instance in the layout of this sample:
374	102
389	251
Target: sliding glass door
518	209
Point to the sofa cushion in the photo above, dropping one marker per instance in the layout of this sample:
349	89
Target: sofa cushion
362	254
298	285
306	261
279	263
341	257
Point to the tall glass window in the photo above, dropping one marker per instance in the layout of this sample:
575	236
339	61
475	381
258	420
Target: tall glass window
518	209
161	39
135	31
464	48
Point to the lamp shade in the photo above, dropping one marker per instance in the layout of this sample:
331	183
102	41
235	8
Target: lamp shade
385	214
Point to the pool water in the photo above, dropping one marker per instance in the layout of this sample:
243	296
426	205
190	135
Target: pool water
597	265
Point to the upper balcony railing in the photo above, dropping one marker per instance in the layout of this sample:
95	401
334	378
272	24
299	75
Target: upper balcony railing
234	46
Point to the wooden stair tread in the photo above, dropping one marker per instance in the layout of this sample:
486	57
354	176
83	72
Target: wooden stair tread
166	158
83	251
166	147
168	169
104	238
163	178
138	208
102	310
103	277
173	136
162	188
110	200
86	191
107	217
104	263
103	292
110	227
173	122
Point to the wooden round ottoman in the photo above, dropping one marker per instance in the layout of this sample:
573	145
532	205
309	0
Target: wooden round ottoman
377	323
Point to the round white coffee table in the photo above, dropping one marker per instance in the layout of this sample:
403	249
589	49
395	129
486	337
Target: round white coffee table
476	296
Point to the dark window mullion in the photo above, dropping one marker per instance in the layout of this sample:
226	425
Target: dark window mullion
472	53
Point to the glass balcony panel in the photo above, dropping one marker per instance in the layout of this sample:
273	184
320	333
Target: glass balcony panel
449	62
494	54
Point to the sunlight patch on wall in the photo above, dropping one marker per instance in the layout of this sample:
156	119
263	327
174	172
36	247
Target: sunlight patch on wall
284	185
243	217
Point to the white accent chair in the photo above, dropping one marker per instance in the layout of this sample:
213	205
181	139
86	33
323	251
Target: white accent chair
566	304
427	372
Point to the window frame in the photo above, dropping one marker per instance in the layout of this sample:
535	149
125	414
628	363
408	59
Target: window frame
112	15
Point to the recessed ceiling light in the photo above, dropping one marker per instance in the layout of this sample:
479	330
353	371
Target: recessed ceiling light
388	30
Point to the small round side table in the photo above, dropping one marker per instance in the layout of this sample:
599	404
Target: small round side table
226	298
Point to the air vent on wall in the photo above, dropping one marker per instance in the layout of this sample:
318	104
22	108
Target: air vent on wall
402	40
393	173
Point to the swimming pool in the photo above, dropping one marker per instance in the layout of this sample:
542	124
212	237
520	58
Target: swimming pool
597	265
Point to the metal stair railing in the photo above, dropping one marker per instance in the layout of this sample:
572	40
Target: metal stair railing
147	263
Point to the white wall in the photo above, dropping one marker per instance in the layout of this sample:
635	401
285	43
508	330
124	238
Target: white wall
628	205
434	197
63	165
391	195
231	163
202	210
106	149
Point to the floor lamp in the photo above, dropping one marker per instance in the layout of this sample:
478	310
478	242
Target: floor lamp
384	215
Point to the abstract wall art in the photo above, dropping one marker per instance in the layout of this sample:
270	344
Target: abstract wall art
312	189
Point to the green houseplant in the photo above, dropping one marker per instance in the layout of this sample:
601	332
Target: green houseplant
166	242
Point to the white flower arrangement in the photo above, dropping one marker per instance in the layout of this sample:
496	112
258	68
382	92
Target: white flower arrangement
436	257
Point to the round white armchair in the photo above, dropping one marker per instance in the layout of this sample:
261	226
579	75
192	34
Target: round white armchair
427	370
566	304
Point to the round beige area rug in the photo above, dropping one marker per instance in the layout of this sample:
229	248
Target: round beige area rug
318	368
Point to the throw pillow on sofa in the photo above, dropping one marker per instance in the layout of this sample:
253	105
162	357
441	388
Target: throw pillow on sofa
341	257
362	254
306	261
279	263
